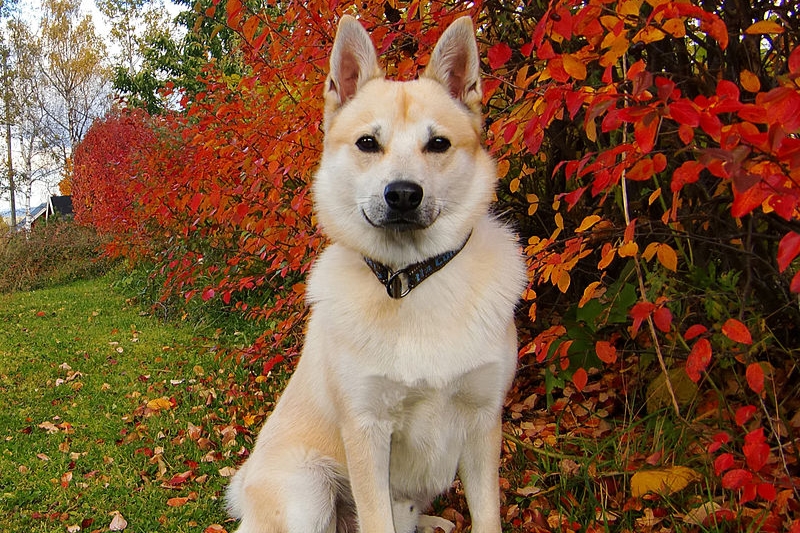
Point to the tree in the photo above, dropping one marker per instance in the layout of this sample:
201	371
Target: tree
76	78
149	55
6	8
164	65
35	157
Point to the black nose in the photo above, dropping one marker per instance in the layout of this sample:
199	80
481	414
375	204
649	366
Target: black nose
403	196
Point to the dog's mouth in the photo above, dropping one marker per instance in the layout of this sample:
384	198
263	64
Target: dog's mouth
399	222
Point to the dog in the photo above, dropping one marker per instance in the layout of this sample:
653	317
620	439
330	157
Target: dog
411	344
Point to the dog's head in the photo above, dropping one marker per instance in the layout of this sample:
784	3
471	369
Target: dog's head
403	176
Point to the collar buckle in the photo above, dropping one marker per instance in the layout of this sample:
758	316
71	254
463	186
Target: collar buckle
399	283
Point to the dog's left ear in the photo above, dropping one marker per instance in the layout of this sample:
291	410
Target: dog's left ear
454	63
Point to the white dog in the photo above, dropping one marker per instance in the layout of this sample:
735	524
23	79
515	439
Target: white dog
411	345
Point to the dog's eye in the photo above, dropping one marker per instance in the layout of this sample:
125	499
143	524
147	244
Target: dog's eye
368	143
438	145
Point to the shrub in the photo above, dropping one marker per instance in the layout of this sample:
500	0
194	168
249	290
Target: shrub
51	254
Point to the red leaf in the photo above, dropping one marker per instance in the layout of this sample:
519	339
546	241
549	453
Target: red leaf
580	378
735	479
794	286
743	414
723	462
794	61
684	112
755	377
736	331
688	172
788	249
499	55
719	439
606	352
639	313
756	450
699	359
767	491
663	319
694	331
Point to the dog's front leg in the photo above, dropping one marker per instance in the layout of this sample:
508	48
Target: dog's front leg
367	447
478	470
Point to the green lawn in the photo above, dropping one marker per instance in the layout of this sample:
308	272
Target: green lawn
106	410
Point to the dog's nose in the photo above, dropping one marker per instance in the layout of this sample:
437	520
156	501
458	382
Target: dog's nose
403	196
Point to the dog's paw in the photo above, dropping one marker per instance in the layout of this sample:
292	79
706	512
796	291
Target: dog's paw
434	524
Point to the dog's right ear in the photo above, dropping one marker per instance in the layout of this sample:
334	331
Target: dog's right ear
353	63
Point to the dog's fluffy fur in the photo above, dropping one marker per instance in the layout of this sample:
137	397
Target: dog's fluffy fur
393	397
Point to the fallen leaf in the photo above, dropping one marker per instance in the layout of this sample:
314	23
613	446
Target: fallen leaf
159	404
118	523
227	471
177	502
669	480
698	515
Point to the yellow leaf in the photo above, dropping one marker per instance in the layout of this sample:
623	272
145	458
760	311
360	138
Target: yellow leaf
667	257
591	130
563	281
629	8
533	203
649	34
159	404
750	81
502	168
764	26
628	249
675	27
662	480
587	223
514	185
559	221
574	67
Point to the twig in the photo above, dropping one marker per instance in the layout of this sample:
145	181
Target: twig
540	451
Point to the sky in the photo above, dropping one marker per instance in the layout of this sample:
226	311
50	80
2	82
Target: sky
31	11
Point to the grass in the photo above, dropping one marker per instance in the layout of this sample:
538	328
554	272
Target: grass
108	413
104	410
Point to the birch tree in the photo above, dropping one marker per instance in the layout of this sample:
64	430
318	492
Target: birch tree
76	79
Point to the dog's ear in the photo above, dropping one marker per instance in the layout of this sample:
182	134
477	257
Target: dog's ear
455	64
353	63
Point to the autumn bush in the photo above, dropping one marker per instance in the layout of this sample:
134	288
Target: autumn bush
648	154
53	253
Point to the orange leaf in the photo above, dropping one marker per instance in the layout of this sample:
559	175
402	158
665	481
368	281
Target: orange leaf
755	377
250	27
177	502
764	26
628	249
750	81
667	257
587	223
736	331
606	352
588	293
580	378
574	67
606	256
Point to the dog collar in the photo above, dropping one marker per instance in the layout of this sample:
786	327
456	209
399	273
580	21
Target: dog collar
400	282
